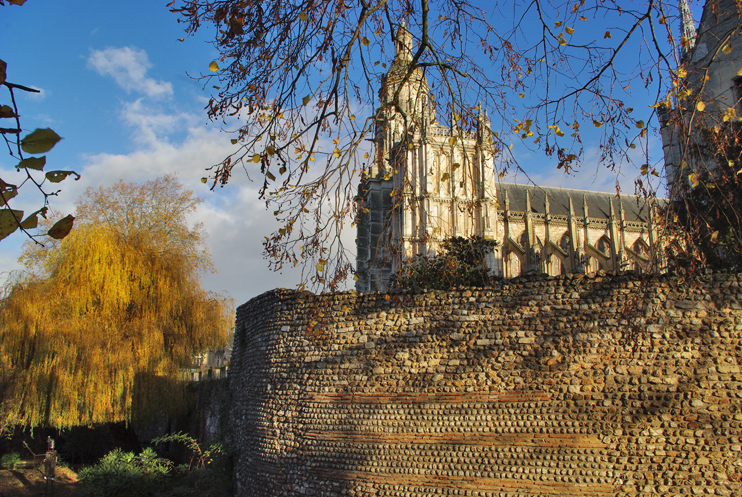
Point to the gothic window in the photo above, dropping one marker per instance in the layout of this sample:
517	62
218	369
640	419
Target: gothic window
555	266
513	265
604	245
593	265
641	248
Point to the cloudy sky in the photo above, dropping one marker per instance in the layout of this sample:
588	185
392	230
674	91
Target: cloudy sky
115	84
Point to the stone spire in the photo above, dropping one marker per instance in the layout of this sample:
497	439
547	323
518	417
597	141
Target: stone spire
687	27
403	43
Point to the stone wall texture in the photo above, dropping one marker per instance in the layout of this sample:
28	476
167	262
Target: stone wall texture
579	385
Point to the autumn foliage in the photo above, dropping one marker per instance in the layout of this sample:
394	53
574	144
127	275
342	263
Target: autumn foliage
99	328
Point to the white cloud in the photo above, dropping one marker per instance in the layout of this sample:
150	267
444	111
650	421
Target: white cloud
152	126
128	67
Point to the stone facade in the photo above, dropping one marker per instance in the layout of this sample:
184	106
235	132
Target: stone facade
430	181
576	385
712	77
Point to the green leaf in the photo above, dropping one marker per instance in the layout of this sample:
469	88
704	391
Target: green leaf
62	227
8	192
59	176
7	111
30	222
9	220
234	141
40	141
270	176
36	163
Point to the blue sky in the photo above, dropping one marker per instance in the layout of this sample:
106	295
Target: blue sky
114	84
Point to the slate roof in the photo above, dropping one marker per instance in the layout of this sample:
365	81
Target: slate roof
636	208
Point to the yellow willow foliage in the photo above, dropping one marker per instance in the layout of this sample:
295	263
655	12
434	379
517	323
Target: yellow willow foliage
103	335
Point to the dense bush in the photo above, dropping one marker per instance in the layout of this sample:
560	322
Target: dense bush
120	473
10	461
461	262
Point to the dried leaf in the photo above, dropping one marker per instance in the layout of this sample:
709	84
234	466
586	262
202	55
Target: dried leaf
9	220
62	227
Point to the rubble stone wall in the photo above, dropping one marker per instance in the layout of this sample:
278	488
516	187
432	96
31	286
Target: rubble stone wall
579	386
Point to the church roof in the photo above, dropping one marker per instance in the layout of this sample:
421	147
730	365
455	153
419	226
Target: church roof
636	208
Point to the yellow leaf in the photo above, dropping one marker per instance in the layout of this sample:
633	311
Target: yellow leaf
452	141
569	30
204	180
597	124
521	95
607	35
640	124
739	73
270	176
714	237
727	49
663	20
562	41
181	39
365	156
336	153
305	100
445	177
557	24
270	150
682	72
256	158
303	16
320	268
700	106
355	278
366	42
583	18
693	177
214	67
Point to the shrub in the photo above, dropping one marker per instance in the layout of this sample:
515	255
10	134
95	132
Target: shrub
461	262
10	461
122	474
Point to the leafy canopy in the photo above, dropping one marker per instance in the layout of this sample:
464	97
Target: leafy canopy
98	328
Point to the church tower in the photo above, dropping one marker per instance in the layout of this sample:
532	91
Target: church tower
428	181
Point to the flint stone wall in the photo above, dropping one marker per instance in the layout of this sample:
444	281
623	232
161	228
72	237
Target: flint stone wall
614	385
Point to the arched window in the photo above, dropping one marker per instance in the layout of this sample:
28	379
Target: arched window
513	265
604	245
641	248
593	265
555	266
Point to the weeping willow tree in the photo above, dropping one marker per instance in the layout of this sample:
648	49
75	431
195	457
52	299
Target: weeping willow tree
99	327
